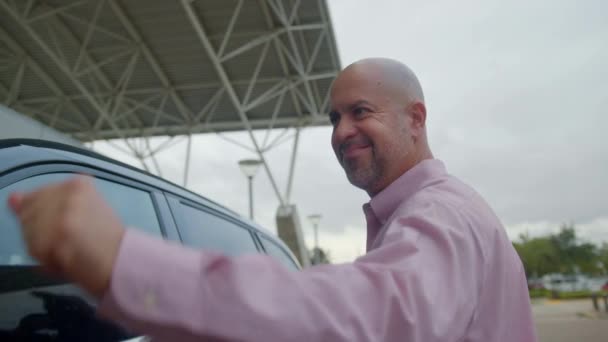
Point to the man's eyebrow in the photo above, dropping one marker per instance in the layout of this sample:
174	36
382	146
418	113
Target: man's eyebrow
351	106
359	103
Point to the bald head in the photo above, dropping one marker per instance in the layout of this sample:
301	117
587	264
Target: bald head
395	77
379	119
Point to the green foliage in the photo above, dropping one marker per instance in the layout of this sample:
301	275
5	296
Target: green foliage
539	293
603	257
544	293
574	294
561	253
538	255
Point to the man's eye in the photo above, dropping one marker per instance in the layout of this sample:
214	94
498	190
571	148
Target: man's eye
334	118
359	110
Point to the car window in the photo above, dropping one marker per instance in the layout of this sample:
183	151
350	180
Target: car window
34	307
202	229
277	252
133	206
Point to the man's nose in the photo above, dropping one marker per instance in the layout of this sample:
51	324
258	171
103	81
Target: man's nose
345	129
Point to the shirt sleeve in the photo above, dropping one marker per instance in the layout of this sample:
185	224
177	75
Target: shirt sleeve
420	285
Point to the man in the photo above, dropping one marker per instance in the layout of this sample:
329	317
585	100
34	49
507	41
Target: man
439	266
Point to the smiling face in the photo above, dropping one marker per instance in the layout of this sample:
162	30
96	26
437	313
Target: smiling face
375	126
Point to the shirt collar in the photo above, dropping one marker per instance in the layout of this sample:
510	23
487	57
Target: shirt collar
386	201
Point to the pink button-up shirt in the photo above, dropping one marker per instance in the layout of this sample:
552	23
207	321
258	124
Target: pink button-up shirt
439	267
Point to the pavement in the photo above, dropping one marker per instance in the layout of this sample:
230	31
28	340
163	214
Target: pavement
569	321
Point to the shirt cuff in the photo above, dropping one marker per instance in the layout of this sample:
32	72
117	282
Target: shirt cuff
146	288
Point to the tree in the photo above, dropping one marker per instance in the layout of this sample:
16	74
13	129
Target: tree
538	255
565	243
561	253
575	256
585	256
603	258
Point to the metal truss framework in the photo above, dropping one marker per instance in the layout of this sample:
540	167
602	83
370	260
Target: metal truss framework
98	87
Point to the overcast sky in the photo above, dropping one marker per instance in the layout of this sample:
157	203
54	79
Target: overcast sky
517	99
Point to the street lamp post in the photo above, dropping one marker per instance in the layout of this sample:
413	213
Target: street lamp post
315	219
250	168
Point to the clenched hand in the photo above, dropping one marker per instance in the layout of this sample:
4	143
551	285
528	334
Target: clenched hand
71	231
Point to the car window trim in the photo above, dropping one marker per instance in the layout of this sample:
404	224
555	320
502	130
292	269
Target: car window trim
291	258
39	169
164	210
176	201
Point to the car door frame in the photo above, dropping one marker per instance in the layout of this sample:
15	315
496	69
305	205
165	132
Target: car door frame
260	236
167	227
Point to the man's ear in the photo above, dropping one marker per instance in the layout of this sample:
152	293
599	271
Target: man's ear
418	115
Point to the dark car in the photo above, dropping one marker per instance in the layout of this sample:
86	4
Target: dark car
35	307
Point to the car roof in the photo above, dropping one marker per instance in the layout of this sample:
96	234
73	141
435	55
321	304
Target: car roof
17	153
